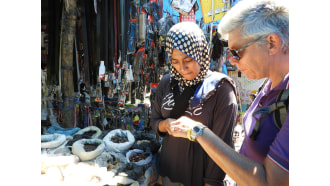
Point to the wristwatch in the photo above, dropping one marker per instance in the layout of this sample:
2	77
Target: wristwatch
196	131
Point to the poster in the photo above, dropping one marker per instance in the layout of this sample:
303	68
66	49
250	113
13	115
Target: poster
220	9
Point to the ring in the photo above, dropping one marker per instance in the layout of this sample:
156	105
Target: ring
172	127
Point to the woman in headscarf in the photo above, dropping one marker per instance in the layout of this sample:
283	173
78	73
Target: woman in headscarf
191	90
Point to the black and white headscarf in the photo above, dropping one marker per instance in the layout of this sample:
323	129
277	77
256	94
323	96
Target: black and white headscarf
189	38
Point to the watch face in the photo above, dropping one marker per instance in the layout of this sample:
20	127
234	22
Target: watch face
196	129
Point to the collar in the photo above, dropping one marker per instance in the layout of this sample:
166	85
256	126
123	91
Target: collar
212	81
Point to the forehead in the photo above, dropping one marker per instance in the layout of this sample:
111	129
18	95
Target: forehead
178	54
235	39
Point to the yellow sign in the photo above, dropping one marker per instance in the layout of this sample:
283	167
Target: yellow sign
220	9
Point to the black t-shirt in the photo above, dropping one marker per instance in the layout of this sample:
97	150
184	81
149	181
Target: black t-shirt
182	160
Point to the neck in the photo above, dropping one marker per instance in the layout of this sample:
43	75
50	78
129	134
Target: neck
280	68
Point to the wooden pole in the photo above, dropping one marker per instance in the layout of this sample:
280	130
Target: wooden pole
68	35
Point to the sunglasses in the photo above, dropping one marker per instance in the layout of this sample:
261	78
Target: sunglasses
234	52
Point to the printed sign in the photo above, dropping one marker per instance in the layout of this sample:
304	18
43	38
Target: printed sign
220	9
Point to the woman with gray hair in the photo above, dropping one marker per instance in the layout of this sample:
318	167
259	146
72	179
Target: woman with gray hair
258	41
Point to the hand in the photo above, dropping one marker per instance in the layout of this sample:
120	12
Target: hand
180	127
164	126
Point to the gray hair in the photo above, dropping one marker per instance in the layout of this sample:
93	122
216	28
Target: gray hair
257	18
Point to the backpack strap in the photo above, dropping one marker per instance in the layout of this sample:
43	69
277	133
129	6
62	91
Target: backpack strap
278	109
280	113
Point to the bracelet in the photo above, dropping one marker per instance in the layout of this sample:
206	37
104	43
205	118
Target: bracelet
188	134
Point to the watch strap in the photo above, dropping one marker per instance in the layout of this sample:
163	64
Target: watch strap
189	134
194	135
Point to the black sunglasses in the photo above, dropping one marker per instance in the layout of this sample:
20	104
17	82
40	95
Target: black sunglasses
234	52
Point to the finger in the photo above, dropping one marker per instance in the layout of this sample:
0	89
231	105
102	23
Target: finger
173	127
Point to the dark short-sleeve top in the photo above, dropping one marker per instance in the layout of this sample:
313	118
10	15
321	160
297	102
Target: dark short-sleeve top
182	160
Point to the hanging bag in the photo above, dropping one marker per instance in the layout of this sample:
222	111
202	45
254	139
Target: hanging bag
183	7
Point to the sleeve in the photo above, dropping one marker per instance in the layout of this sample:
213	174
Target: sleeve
279	150
224	120
156	115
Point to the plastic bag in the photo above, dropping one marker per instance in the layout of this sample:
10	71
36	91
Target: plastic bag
59	130
183	6
52	140
61	150
129	170
91	129
78	149
113	158
143	162
146	142
119	147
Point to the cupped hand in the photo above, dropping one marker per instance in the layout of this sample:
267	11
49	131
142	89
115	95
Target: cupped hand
180	127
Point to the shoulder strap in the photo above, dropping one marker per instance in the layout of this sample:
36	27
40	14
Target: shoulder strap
280	113
278	110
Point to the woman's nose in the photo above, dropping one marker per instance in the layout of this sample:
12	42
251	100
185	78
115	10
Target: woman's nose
183	66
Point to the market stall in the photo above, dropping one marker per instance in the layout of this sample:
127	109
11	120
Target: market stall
90	155
101	63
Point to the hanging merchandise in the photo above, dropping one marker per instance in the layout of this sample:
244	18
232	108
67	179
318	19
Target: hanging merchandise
98	92
217	47
142	26
102	70
131	36
152	9
122	99
220	8
165	24
124	16
150	34
224	69
118	59
190	17
133	93
138	63
129	74
183	7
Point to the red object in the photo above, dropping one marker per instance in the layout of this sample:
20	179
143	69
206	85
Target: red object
190	17
142	11
141	49
154	85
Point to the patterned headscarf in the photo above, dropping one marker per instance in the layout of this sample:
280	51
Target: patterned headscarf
190	40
